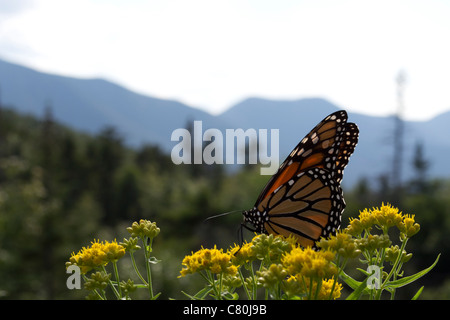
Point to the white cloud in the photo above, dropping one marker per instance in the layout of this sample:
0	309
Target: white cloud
211	54
14	7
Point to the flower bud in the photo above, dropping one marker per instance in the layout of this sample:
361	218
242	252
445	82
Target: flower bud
98	280
268	278
144	228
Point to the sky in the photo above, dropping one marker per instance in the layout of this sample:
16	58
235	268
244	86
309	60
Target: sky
213	54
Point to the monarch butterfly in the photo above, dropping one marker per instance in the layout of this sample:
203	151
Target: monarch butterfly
304	198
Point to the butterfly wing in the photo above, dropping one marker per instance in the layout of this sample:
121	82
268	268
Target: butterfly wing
308	207
303	197
316	149
346	148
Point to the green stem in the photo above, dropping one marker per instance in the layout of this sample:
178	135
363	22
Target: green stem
116	293
279	290
243	284
220	285
310	289
255	281
254	284
116	274
394	269
319	286
397	261
147	250
211	280
133	261
395	277
340	269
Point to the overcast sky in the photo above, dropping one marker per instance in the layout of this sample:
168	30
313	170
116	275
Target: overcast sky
211	54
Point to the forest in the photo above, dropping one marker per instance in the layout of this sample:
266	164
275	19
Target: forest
60	189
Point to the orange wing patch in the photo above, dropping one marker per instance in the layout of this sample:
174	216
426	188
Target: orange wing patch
284	177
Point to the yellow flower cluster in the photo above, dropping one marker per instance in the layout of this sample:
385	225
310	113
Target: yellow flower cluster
304	272
242	254
409	227
296	284
384	218
309	263
341	243
296	269
96	255
213	260
327	288
262	247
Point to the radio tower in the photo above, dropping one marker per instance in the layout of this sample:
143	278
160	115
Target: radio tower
398	137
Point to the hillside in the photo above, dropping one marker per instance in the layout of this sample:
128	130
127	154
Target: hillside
92	104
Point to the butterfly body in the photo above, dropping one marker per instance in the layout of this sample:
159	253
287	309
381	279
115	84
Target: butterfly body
304	198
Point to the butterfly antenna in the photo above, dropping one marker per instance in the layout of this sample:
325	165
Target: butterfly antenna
221	215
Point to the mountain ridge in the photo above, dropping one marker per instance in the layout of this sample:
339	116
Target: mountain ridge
91	104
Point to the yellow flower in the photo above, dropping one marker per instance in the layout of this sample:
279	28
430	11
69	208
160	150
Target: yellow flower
242	255
384	217
300	286
113	250
408	226
310	263
387	216
366	218
325	289
97	255
327	286
213	260
354	228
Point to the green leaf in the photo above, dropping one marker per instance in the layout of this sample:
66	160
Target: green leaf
357	286
409	279
416	296
230	296
352	283
156	296
355	295
367	274
199	295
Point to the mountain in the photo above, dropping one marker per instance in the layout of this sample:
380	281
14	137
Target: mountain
295	119
374	154
91	104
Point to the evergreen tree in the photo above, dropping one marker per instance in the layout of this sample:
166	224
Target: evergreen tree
420	164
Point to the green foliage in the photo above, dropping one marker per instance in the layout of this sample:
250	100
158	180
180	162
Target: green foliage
92	264
59	188
268	267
